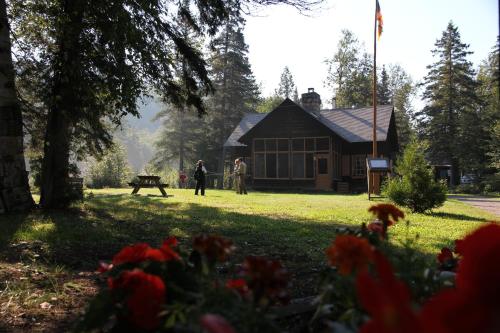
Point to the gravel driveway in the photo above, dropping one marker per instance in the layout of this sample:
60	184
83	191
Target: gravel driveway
489	204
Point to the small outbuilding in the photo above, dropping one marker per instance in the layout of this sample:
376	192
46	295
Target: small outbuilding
303	147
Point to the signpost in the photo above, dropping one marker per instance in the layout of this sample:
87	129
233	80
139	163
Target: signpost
374	167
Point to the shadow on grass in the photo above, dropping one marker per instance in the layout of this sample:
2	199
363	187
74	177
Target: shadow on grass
453	216
78	238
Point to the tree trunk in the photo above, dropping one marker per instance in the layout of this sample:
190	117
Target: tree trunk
14	189
55	191
220	164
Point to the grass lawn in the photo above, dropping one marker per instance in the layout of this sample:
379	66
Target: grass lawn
50	256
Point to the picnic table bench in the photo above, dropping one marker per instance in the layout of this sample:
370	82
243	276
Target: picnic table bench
149	182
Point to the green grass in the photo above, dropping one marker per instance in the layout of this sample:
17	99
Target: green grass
295	228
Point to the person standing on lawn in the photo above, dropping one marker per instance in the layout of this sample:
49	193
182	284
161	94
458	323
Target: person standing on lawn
235	174
182	179
240	175
199	176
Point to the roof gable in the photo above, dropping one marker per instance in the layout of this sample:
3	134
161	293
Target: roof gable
353	125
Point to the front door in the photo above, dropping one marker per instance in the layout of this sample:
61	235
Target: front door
323	172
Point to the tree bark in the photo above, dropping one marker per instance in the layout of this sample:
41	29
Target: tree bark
14	188
55	191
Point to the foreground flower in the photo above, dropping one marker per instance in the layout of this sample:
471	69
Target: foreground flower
478	272
350	253
387	213
474	305
238	285
213	323
446	260
267	279
387	300
144	296
141	252
214	247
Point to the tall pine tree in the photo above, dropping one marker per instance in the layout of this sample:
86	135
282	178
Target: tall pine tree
236	91
287	87
14	188
450	114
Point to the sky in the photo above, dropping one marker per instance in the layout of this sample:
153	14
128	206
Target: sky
279	36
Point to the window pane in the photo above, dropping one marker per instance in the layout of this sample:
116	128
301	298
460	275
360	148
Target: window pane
322	166
309	166
322	144
283	165
283	144
298	166
298	144
271	165
270	144
259	145
309	144
259	166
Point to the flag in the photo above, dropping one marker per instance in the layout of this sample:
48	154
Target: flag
379	20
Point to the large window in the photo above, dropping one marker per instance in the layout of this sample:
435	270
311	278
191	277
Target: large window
358	166
271	158
282	158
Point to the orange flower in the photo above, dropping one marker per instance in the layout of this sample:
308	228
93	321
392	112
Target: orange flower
387	213
350	253
215	248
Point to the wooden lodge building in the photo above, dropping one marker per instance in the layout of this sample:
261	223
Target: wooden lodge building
302	147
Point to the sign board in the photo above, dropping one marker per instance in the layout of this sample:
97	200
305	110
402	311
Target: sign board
378	164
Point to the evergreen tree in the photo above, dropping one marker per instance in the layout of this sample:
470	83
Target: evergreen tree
350	73
489	92
181	130
414	186
450	116
14	188
268	104
177	142
383	88
236	92
402	90
287	87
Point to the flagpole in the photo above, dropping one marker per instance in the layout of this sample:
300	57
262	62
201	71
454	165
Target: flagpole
374	185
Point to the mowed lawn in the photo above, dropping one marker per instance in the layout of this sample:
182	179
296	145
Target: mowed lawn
61	247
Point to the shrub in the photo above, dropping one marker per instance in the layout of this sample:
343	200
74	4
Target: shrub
414	186
111	170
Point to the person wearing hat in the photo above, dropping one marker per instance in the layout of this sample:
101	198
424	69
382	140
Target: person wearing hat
199	176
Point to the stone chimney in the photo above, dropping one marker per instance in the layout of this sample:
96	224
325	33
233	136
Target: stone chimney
311	100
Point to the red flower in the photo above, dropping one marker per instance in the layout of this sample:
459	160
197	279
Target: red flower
213	323
387	300
376	227
214	247
350	253
474	305
478	272
239	285
445	255
141	252
267	279
387	213
167	250
451	311
145	294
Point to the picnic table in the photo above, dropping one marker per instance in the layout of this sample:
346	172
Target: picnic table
149	182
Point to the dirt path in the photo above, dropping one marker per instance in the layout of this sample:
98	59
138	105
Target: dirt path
489	204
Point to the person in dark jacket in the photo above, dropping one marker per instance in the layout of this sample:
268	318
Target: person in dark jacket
199	176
